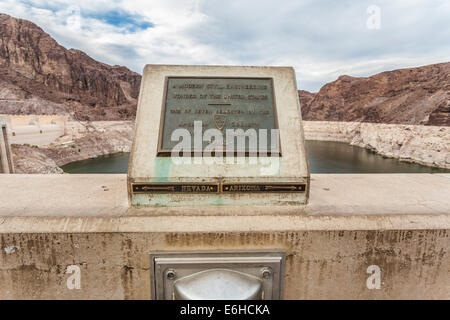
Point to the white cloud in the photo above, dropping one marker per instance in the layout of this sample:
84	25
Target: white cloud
321	39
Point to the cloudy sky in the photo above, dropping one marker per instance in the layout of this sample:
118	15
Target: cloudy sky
321	39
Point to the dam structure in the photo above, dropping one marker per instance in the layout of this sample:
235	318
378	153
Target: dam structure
173	228
35	130
81	225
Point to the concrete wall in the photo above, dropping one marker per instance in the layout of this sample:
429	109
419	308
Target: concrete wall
24	120
320	264
36	130
84	221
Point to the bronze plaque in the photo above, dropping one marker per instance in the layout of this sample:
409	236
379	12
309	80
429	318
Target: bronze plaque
175	187
263	187
219	103
168	187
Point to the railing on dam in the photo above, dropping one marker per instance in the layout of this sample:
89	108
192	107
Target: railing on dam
6	161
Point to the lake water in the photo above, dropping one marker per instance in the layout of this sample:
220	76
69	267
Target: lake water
323	157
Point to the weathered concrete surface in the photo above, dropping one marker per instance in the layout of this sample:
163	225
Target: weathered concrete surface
427	145
332	194
329	246
320	264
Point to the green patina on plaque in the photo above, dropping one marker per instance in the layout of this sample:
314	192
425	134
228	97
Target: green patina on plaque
219	103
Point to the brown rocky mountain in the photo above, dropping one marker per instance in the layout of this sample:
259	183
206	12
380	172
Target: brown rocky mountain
407	96
37	75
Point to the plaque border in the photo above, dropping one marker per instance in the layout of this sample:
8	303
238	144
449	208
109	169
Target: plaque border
162	152
174	184
274	185
220	187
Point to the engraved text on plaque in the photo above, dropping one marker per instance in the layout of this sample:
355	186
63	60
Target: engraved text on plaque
219	103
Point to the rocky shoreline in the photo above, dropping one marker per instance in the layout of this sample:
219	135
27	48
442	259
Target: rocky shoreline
83	140
427	145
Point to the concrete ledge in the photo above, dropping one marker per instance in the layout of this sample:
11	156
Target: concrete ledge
220	224
331	195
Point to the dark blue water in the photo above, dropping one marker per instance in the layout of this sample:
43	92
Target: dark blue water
323	157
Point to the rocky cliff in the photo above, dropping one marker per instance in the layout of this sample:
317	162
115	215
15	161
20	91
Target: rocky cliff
406	96
427	145
37	75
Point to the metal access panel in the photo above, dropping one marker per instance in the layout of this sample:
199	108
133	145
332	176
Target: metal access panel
249	275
